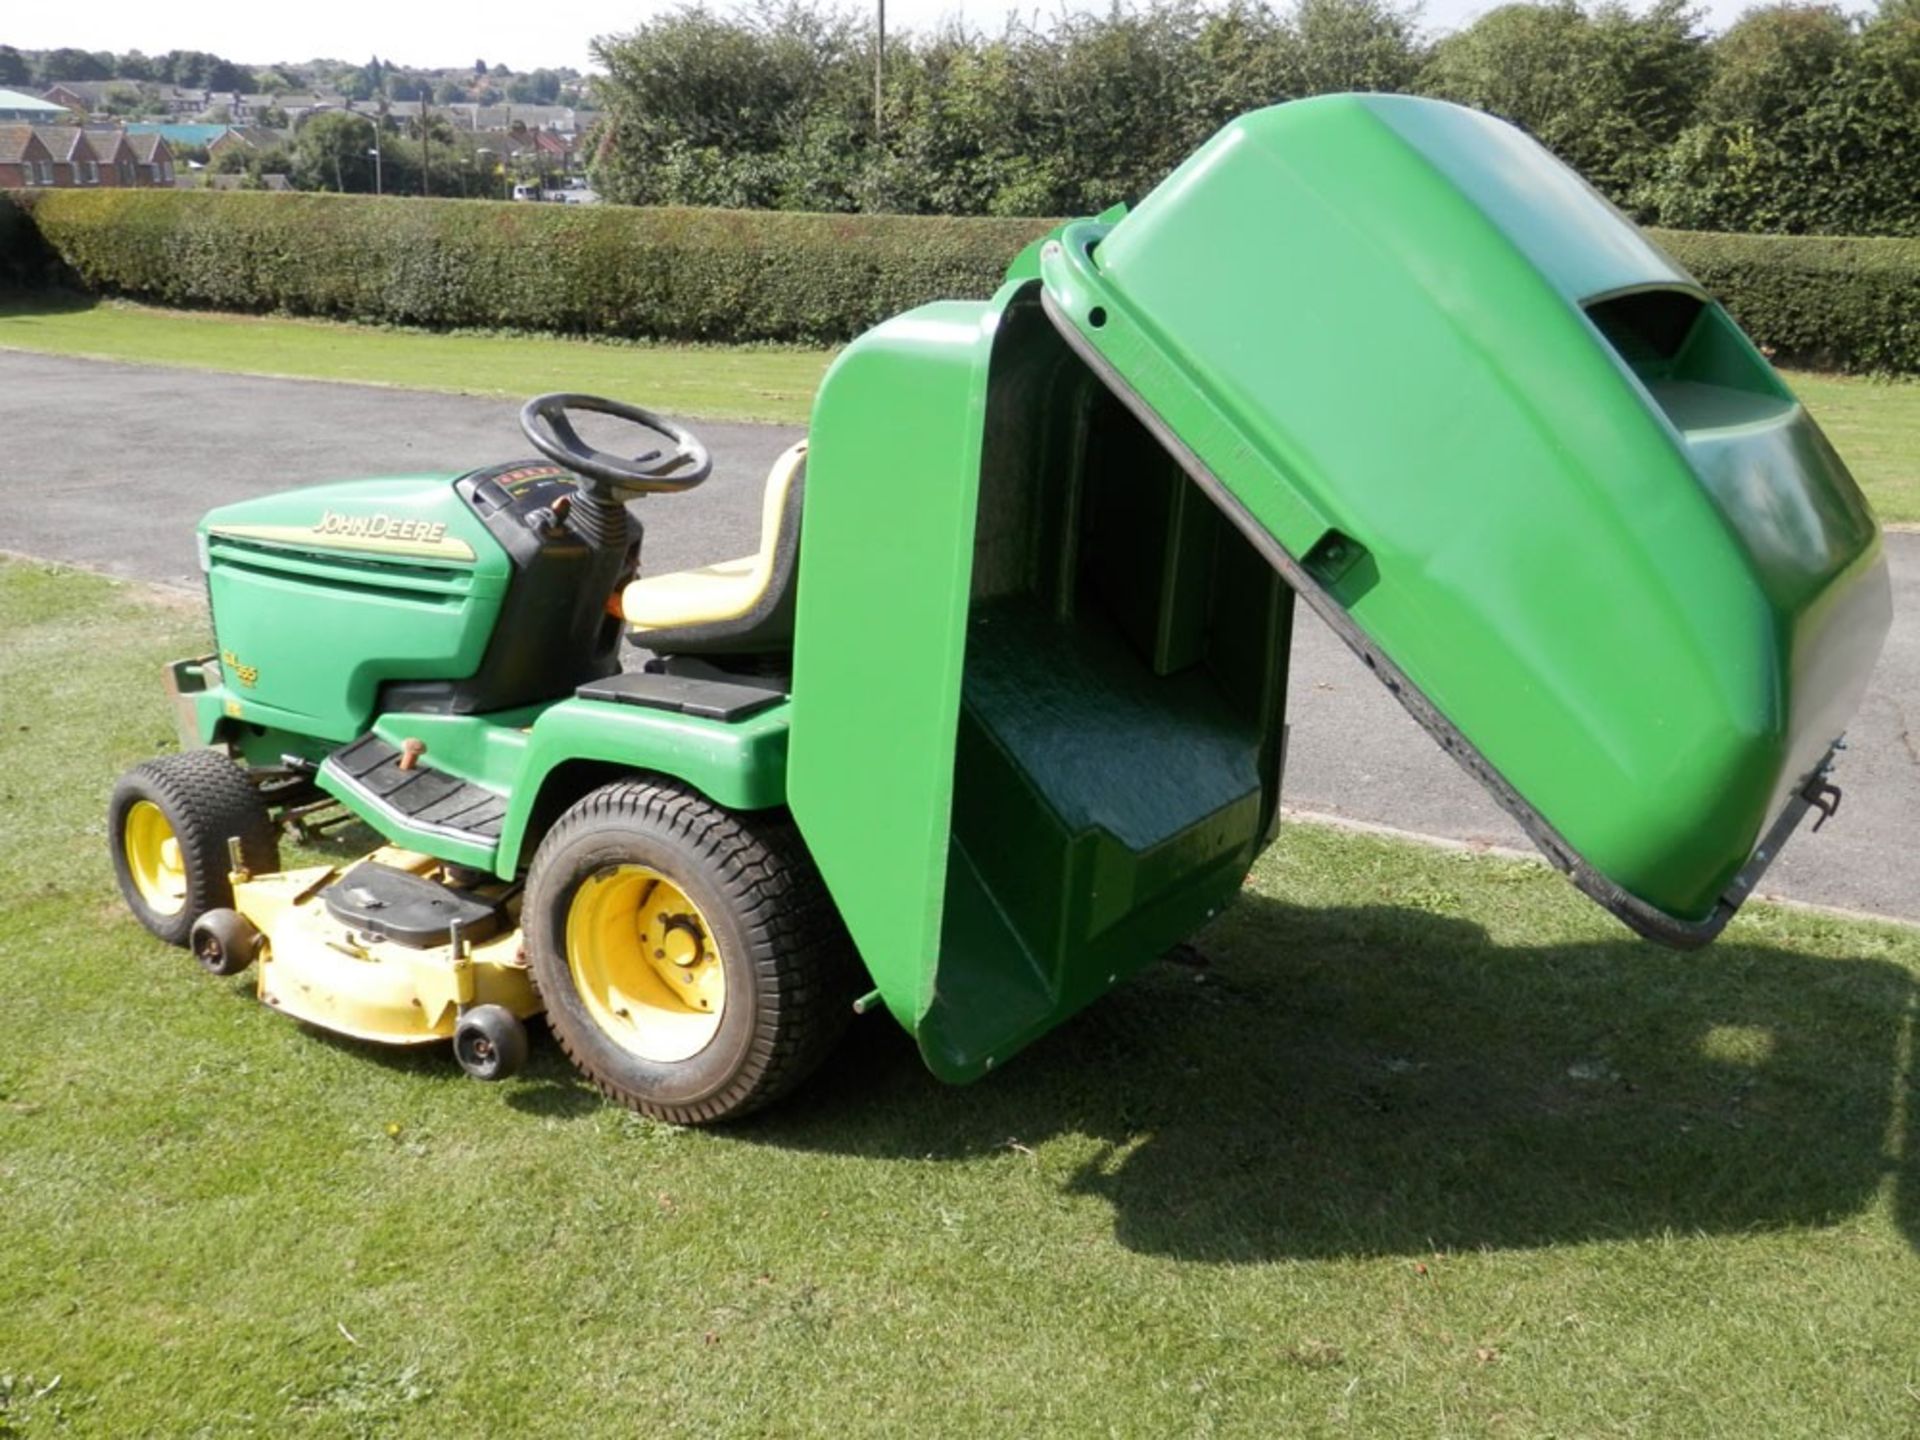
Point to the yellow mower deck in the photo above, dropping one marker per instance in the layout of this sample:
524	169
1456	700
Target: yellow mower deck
317	969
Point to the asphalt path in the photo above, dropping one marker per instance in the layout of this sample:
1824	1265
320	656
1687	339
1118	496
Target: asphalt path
108	465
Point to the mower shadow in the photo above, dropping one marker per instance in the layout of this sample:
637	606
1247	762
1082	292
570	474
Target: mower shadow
548	1087
1390	1082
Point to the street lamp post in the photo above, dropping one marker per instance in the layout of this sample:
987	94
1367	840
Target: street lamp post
379	185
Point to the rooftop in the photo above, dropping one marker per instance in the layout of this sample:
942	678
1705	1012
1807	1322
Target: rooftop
12	102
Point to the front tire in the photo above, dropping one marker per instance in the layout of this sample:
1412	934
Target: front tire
168	823
691	963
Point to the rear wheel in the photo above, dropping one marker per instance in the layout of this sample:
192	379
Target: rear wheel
689	959
168	823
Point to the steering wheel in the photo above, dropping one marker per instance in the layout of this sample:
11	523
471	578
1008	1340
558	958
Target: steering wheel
661	470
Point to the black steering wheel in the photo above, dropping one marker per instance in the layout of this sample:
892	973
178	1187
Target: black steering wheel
661	470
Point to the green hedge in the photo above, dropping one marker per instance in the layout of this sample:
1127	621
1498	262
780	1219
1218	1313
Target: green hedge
608	270
1850	304
1830	302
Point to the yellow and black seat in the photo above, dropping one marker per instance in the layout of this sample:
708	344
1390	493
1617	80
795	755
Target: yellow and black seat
734	607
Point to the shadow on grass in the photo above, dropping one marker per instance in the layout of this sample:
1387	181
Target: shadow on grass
1381	1082
18	301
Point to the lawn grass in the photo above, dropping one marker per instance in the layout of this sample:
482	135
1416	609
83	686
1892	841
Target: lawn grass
1875	424
1429	1148
719	382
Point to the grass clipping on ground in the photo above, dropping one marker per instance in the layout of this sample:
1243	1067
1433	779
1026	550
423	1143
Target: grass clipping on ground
1429	1147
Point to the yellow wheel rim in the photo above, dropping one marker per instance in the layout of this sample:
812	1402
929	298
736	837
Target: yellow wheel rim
153	859
645	963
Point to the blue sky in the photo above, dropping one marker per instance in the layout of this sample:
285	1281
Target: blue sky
553	32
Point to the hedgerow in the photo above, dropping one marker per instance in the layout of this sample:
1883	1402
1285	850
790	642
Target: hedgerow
1827	301
736	275
679	274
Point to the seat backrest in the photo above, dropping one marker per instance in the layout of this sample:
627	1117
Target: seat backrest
766	625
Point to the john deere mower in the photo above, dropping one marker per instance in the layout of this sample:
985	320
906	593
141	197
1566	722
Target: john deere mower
994	716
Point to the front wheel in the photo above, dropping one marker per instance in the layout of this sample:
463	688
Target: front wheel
168	824
691	963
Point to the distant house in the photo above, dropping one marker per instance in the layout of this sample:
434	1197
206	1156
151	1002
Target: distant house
248	137
25	160
75	161
89	97
15	106
154	157
178	135
561	118
118	164
82	97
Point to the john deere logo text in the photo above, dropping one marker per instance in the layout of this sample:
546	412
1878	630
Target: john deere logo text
381	527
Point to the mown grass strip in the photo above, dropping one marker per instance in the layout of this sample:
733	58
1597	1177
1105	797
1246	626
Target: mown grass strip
721	382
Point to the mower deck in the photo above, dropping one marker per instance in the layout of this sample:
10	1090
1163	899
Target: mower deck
328	972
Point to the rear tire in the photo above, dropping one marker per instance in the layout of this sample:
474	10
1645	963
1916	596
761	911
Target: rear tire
690	960
168	823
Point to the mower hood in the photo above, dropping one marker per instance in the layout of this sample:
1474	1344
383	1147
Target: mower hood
1519	461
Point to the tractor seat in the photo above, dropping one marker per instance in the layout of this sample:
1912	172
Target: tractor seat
735	607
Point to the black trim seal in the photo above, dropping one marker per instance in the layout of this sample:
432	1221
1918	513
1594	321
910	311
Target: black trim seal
1630	909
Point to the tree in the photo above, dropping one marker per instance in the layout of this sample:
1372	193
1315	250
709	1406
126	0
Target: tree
1606	92
1810	125
1353	45
69	64
14	69
330	153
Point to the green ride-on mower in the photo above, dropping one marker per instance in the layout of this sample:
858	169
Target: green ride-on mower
994	717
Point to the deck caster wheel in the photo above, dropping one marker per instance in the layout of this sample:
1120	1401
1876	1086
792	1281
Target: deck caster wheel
168	825
490	1042
224	941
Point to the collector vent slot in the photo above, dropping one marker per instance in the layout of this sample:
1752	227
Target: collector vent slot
1648	327
1693	360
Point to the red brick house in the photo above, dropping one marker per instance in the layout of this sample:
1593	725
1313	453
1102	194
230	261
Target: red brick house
74	160
118	165
24	158
153	158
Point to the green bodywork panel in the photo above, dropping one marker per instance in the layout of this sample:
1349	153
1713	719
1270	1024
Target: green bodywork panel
317	618
881	629
1519	452
1037	682
741	765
